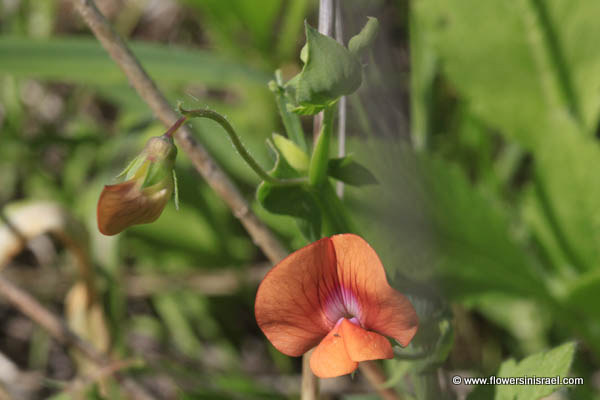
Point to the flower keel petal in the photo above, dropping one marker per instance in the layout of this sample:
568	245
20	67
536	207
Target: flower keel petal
363	345
330	358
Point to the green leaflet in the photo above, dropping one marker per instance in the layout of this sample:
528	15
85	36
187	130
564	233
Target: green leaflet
347	170
551	363
330	71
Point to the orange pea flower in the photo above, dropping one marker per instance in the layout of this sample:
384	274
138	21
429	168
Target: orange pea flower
333	294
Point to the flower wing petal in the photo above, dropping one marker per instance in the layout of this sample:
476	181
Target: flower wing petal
380	308
330	358
362	345
289	306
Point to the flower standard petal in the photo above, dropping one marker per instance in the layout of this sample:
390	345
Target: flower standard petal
330	358
363	345
290	302
379	307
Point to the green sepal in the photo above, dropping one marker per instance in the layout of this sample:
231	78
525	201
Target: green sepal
330	71
132	168
157	172
175	190
293	154
347	170
365	37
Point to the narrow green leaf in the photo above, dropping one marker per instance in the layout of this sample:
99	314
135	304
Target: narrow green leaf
83	60
317	172
349	171
291	121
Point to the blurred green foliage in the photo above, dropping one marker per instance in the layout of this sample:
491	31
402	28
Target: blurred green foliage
492	207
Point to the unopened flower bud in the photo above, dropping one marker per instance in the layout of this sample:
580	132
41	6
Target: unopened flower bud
148	183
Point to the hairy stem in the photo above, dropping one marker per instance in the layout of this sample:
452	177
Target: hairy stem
237	143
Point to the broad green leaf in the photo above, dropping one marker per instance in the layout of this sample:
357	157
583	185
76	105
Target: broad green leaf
529	73
552	363
584	296
365	37
569	195
83	60
330	72
530	65
430	221
349	171
581	301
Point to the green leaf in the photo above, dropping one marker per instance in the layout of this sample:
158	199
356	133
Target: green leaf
552	363
349	171
317	173
537	52
365	37
423	69
83	60
293	154
435	223
531	74
581	301
295	201
330	72
291	121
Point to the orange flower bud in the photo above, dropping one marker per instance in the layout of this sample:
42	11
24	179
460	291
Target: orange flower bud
148	184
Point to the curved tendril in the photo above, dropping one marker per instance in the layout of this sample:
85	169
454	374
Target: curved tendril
215	116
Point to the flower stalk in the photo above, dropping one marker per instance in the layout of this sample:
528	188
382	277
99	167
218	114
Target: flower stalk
237	143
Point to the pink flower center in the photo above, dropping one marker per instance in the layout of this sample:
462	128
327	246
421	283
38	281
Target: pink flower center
342	303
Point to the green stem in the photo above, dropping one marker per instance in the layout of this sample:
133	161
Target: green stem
335	218
291	121
169	133
237	143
